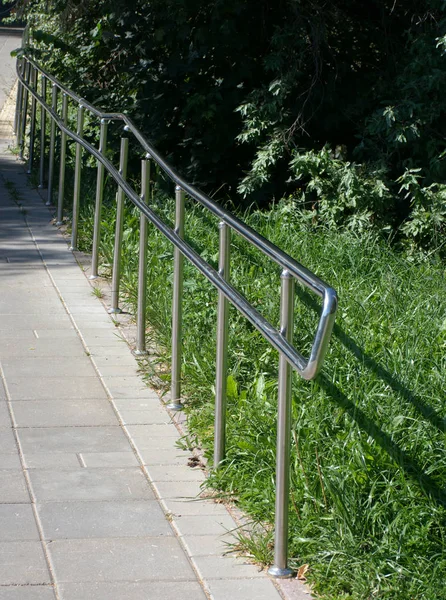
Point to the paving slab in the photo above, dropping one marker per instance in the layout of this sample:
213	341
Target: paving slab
23	563
13	487
89	484
115	519
40	348
7	440
109	459
18	368
241	589
129	590
147	559
64	412
10	461
43	388
5	419
17	523
27	592
72	439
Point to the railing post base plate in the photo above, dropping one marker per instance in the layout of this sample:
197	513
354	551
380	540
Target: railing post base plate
175	405
140	352
279	573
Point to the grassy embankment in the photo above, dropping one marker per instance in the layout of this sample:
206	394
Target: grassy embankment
368	459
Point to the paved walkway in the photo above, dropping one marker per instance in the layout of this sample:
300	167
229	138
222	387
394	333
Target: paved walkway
96	500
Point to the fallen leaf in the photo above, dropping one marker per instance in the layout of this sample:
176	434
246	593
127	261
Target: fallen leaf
301	572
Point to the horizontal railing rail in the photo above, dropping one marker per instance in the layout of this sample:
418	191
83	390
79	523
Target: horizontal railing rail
29	73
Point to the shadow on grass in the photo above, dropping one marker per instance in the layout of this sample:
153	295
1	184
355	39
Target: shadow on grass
399	456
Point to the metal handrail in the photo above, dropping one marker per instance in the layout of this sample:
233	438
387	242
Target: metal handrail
28	73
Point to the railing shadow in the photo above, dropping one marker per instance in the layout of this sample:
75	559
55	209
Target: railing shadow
406	462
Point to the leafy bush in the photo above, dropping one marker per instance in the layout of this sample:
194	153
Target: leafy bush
251	95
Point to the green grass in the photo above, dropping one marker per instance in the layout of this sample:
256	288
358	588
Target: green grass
367	500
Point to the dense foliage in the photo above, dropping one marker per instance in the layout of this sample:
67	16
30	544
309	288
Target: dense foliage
338	104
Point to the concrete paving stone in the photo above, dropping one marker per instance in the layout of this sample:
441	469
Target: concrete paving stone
204	525
70	273
83	520
153	431
164	457
13	487
73	439
33	274
26	302
94	460
197	507
17	523
74	366
209	545
176	473
9	461
56	334
7	441
42	348
294	589
131	391
144	417
102	337
23	563
78	296
64	412
27	592
87	308
136	559
153	403
96	321
5	419
120	371
129	590
178	490
127	382
153	445
34	321
226	567
70	285
242	589
116	347
46	388
89	485
114	361
51	460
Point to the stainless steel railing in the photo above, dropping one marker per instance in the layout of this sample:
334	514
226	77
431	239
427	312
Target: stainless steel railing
33	83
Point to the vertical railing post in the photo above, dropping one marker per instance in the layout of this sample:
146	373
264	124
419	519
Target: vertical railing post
77	179
177	306
18	106
22	131
32	126
116	276
98	205
63	157
49	197
142	267
222	348
280	568
42	135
